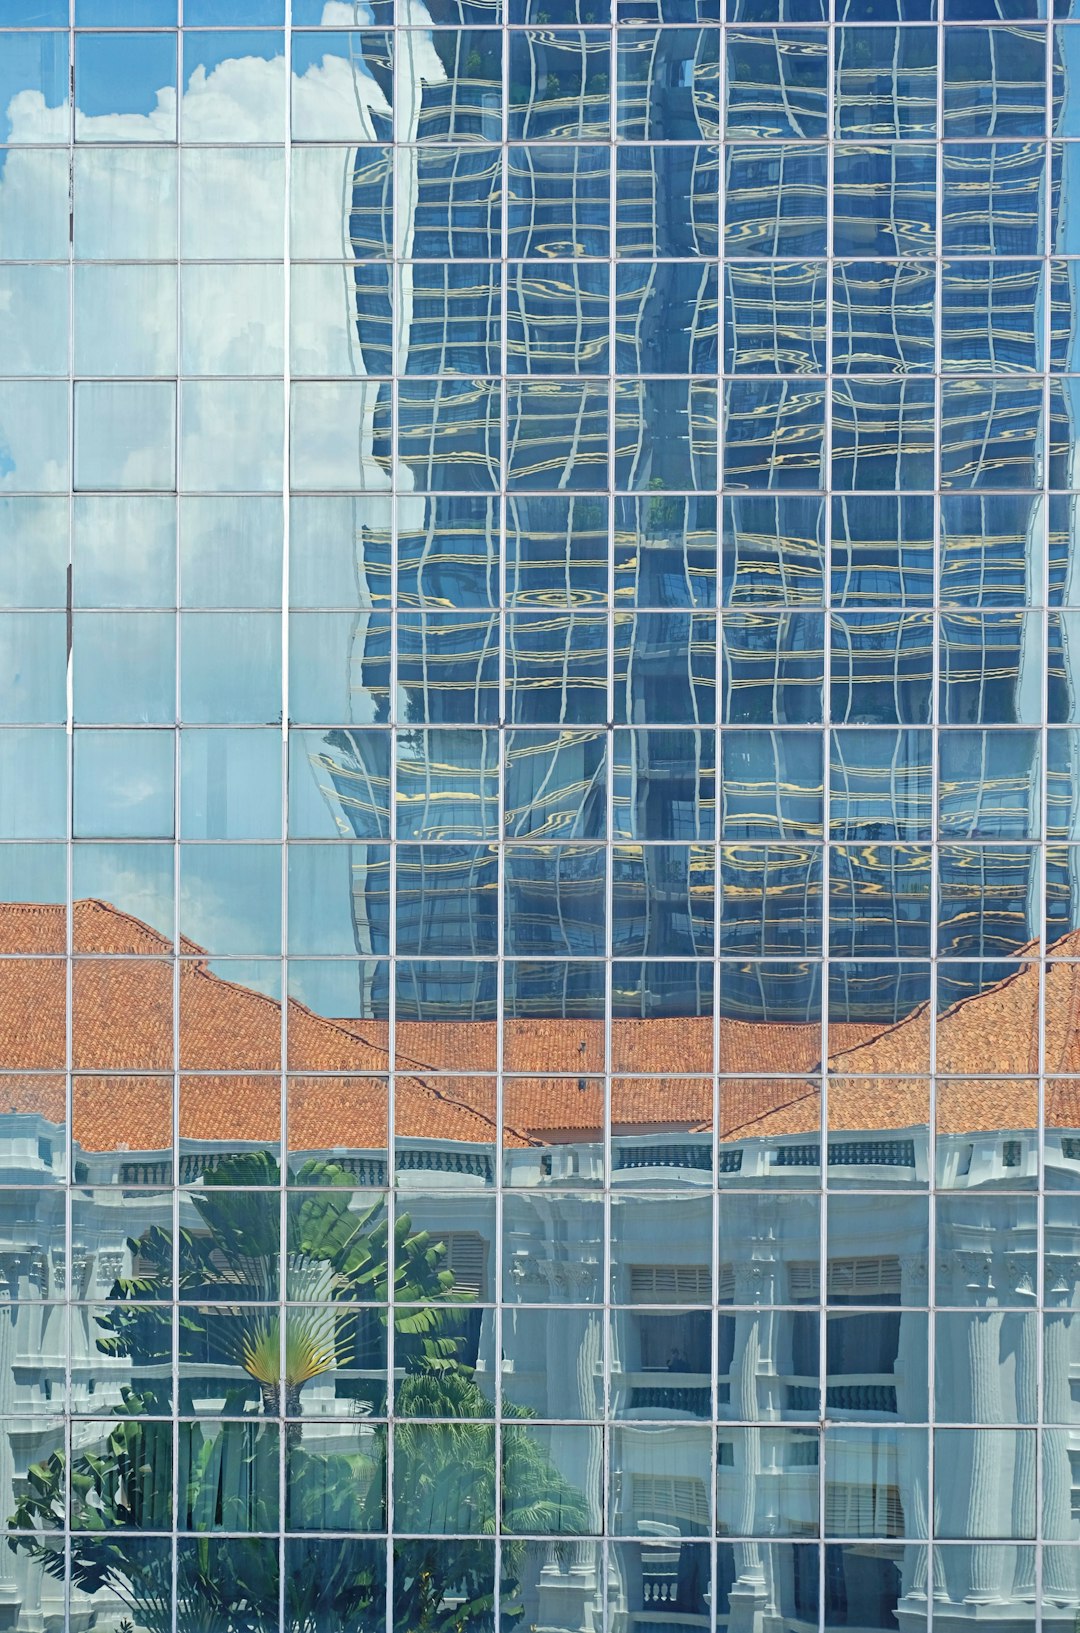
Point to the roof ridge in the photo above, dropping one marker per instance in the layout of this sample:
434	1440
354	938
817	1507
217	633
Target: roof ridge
740	1128
474	1111
887	1031
202	967
1019	974
1030	949
186	945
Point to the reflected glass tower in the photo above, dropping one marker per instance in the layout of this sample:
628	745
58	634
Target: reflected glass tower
539	816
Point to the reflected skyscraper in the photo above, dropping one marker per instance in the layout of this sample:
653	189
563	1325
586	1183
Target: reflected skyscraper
539	903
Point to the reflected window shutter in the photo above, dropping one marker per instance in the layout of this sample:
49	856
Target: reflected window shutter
865	1277
670	1497
670	1284
466	1256
804	1283
863	1510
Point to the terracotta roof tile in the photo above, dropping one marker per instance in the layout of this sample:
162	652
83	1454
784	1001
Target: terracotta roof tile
34	1095
123	1022
1061	1102
122	1113
327	1113
34	927
33	1013
966	1105
230	1108
757	1106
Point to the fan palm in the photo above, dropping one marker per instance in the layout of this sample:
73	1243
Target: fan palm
337	1272
336	1268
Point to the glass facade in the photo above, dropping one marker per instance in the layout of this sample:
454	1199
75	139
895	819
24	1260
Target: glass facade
539	816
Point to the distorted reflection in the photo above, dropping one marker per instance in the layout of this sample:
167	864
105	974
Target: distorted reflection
587	1135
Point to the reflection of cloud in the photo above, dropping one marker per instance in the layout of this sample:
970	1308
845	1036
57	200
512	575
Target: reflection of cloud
230	898
159	125
108	872
331	102
252	294
346	14
126	550
233	203
232	435
262	974
32	121
125	434
33	436
240	100
34	203
231	209
333	436
33	319
328	986
322	340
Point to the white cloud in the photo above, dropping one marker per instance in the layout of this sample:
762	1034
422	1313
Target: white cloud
31	120
233	203
125	550
33	319
241	99
345	14
126	206
324	339
33	436
334	103
333	436
232	434
136	879
230	898
232	318
159	125
34	203
125	203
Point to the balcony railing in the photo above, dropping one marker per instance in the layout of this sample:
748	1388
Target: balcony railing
146	1173
425	1160
861	1397
660	1592
851	1394
848	1154
685	1154
688	1394
672	1398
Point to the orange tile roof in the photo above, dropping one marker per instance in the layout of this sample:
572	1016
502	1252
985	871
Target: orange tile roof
123	1021
108	1113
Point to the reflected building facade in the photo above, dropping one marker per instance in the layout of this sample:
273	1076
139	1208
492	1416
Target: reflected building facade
539	804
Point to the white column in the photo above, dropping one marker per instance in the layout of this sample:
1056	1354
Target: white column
912	1388
753	1355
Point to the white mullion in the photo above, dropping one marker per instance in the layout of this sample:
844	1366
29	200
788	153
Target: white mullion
611	506
177	966
502	503
69	860
1043	504
935	776
286	517
397	272
824	1201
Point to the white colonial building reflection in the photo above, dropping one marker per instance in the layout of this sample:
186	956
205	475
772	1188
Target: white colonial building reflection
717	1340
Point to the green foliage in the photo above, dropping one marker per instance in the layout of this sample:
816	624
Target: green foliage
449	1468
228	1477
662	514
336	1259
336	1585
